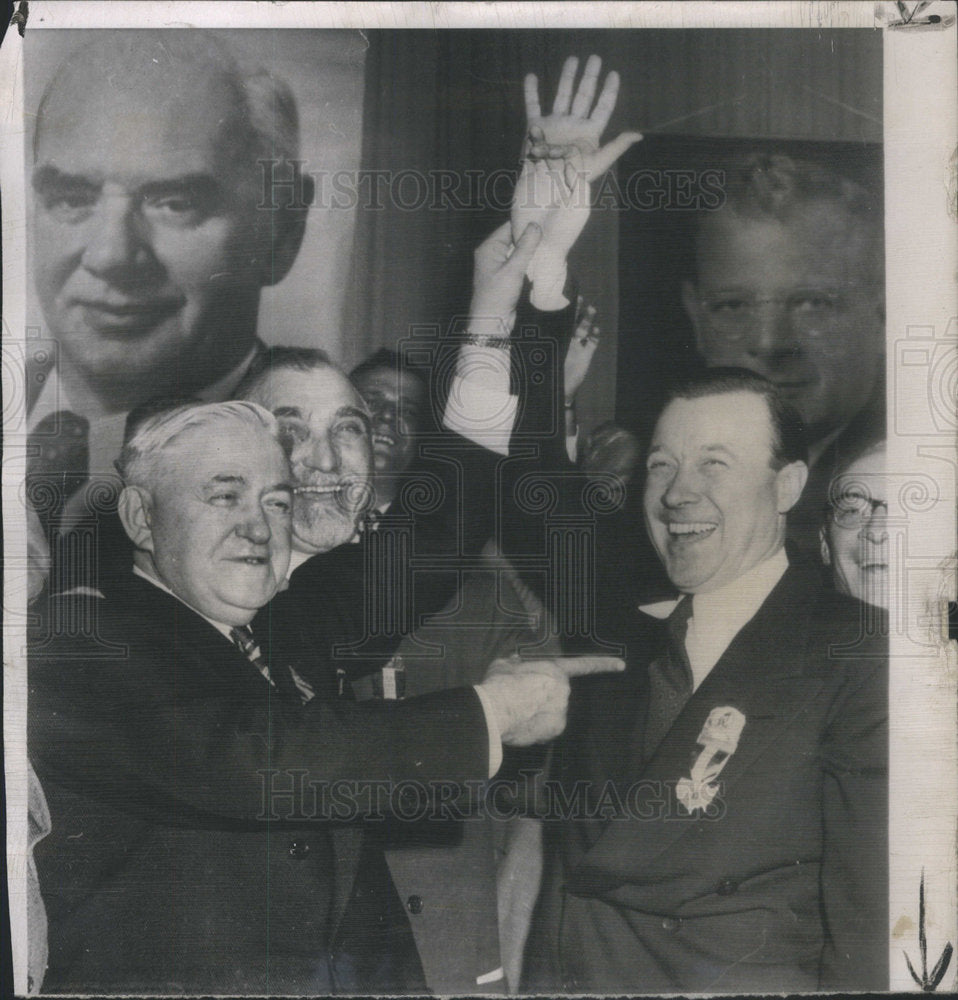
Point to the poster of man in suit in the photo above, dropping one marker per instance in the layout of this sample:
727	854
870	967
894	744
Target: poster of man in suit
723	235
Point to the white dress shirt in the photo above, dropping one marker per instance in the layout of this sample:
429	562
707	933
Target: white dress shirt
480	406
719	615
106	430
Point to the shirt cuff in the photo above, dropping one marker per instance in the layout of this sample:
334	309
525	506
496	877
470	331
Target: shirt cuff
480	406
548	280
495	738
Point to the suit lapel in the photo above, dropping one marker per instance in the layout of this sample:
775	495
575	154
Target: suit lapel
762	675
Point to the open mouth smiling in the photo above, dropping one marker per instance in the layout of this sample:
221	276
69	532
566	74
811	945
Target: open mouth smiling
690	530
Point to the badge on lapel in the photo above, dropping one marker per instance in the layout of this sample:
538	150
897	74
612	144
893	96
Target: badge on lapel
718	740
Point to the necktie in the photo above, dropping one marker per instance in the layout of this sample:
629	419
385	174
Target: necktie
58	458
286	681
670	680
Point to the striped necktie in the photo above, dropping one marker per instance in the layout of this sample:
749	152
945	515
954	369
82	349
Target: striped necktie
287	681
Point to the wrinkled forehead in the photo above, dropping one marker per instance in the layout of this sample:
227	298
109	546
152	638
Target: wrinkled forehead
737	421
318	394
141	115
208	449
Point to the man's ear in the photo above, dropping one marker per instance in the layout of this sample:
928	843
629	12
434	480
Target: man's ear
693	308
823	546
287	228
134	508
789	482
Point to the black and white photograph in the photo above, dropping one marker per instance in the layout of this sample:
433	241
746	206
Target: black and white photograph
479	498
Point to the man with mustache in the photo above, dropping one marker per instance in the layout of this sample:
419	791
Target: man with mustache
196	844
726	799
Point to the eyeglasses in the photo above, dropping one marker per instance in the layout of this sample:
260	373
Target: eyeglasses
852	510
811	312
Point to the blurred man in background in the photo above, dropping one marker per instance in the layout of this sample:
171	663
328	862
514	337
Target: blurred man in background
789	283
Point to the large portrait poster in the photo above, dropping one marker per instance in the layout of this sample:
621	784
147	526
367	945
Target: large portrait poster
479	498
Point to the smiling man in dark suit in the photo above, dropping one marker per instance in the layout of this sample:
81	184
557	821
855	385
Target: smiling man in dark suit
728	831
194	847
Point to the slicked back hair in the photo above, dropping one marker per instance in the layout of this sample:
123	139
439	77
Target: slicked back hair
789	443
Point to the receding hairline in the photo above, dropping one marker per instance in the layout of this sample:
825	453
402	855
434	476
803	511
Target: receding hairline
264	104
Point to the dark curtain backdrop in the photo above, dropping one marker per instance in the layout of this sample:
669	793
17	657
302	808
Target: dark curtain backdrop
452	102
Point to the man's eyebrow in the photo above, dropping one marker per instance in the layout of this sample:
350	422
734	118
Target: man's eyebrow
720	448
226	478
353	411
288	411
52	177
283	487
201	184
206	185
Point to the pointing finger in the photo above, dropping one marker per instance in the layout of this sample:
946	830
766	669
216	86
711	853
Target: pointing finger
579	666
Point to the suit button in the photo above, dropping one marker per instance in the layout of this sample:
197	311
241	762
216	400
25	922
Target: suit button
414	904
726	887
298	849
671	924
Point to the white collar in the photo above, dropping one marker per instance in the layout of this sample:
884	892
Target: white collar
719	615
736	602
106	429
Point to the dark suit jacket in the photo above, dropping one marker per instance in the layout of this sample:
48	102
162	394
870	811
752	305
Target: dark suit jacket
785	886
170	867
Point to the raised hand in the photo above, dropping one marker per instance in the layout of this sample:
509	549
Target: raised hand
531	697
554	196
574	123
578	357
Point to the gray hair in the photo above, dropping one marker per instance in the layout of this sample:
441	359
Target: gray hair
267	99
139	458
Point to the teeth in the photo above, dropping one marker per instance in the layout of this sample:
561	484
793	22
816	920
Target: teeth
317	489
383	439
689	527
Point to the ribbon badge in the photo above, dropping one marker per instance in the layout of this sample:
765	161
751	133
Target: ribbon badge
718	740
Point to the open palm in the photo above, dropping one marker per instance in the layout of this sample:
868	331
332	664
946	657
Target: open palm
574	123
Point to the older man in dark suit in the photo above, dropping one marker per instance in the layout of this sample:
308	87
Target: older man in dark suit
724	819
203	797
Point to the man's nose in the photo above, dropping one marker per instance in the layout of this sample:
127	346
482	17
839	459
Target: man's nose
772	336
387	412
320	454
255	526
876	527
682	489
115	242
